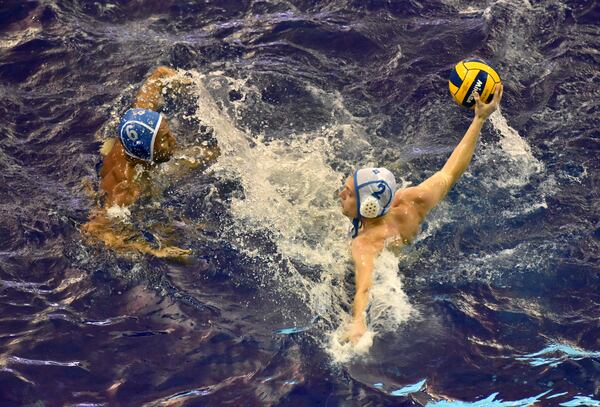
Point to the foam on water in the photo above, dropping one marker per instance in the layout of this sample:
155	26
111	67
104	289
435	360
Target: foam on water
389	304
121	213
388	307
518	150
290	190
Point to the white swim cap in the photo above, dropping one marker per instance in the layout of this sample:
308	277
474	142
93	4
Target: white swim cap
374	189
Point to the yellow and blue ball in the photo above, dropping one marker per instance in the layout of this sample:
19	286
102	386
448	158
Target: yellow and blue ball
469	76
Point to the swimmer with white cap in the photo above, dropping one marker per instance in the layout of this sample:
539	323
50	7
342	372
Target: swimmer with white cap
144	140
379	212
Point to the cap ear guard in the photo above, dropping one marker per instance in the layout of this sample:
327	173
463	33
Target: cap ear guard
370	207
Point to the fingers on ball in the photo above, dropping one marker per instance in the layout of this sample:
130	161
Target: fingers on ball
498	94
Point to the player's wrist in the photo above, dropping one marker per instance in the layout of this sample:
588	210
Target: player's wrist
480	119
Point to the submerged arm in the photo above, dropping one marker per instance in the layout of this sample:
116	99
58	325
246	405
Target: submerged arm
123	237
124	193
189	159
196	156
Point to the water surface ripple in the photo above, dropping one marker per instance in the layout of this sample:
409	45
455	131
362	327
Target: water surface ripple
498	298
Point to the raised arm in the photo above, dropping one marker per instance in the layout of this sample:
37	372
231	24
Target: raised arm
430	192
150	94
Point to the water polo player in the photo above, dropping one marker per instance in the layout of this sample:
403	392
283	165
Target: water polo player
379	212
144	141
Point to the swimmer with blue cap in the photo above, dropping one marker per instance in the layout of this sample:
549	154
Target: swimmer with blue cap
144	140
381	214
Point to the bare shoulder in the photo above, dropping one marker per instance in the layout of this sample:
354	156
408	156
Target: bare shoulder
115	157
426	195
116	177
405	196
408	212
408	202
359	244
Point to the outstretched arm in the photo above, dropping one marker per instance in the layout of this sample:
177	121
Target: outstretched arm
150	94
191	158
430	192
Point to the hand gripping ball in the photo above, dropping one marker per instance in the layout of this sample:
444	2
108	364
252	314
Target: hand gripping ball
469	76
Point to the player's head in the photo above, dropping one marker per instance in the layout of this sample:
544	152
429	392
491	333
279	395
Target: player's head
367	194
146	135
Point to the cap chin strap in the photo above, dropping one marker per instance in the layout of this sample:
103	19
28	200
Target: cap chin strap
356	221
355	227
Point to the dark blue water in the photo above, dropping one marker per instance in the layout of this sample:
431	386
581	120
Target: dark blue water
504	278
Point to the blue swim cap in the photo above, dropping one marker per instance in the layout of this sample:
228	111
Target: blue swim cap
137	131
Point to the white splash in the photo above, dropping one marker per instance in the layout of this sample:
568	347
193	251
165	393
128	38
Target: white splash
120	213
389	308
518	150
290	190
